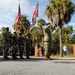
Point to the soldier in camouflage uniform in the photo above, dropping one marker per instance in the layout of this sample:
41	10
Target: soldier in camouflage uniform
28	46
10	42
47	41
21	42
6	43
14	45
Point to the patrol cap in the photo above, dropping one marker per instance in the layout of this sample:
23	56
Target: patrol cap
14	33
47	23
7	28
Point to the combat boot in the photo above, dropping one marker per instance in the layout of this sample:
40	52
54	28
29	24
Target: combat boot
5	58
48	58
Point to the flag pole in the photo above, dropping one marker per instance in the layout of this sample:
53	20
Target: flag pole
19	1
18	17
37	12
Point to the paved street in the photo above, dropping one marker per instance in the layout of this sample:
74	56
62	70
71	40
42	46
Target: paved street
37	66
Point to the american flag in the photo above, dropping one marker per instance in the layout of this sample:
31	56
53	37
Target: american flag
35	14
18	16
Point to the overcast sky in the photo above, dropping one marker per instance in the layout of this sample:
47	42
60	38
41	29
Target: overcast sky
9	9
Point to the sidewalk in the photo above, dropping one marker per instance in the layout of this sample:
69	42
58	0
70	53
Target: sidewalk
64	57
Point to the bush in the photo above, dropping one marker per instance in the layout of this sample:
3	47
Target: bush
55	49
70	49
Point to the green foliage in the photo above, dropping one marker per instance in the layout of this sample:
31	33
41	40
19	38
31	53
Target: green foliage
72	39
55	49
1	40
36	33
66	34
55	42
41	21
1	36
70	49
67	30
59	12
24	24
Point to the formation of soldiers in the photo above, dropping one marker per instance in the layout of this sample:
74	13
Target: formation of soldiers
23	42
15	43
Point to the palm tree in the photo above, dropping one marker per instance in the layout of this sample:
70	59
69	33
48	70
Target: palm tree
37	30
41	21
24	24
36	34
59	13
66	33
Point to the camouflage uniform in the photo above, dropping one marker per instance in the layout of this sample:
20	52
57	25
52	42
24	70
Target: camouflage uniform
28	46
21	44
6	43
14	45
10	38
10	43
47	41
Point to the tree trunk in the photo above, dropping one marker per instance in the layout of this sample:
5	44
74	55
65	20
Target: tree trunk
36	47
61	50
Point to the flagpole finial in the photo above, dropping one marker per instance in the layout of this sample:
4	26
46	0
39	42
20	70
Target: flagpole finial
38	2
19	1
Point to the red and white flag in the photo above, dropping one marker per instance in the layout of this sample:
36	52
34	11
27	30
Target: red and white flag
35	14
18	17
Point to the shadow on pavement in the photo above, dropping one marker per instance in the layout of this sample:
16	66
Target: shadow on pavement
34	59
63	58
22	60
